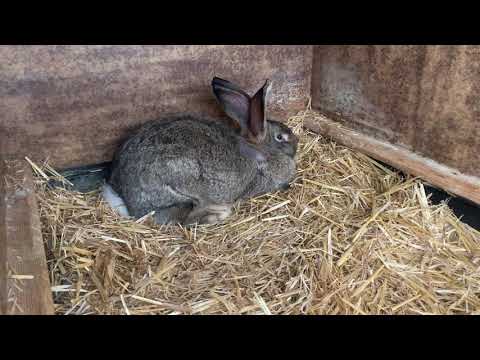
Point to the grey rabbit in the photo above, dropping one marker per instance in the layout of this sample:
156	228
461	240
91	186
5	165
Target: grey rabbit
190	169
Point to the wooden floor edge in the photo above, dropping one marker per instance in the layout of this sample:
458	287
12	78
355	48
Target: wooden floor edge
3	244
28	289
441	176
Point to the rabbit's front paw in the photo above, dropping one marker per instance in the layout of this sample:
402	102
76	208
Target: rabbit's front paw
216	214
211	214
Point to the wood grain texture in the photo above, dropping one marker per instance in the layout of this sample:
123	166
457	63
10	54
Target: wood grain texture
424	98
25	286
75	103
3	242
448	179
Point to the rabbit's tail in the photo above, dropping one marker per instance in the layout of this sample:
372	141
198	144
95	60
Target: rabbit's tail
114	200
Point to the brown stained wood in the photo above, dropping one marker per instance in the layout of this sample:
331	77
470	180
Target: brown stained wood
424	98
25	286
3	243
75	103
446	178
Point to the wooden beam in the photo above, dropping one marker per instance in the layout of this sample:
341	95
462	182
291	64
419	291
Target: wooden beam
3	242
438	175
24	283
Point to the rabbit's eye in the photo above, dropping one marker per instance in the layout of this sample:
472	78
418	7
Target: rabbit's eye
282	137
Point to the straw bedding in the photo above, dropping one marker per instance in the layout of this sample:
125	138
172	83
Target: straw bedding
349	237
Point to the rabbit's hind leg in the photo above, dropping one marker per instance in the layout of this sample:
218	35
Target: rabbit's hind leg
114	200
210	214
175	214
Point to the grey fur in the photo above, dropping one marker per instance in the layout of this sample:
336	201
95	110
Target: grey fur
191	169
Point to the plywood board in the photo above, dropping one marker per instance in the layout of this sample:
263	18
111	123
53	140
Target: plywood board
75	103
421	98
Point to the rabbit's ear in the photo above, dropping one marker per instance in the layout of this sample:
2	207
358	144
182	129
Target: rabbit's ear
235	101
257	125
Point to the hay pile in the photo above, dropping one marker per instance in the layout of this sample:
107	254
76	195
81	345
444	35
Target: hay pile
349	237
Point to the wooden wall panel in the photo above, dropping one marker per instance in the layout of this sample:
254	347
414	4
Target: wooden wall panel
422	98
75	103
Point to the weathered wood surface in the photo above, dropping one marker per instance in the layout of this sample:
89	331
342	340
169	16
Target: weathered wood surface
75	103
423	98
24	282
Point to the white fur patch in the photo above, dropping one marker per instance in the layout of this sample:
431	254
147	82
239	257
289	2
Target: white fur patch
114	200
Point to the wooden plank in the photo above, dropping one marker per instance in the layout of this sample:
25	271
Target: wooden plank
3	242
446	178
25	286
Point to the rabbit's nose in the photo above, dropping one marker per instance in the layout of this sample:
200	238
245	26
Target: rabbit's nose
285	186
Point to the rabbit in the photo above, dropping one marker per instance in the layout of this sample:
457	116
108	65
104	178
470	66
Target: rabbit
191	169
115	201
